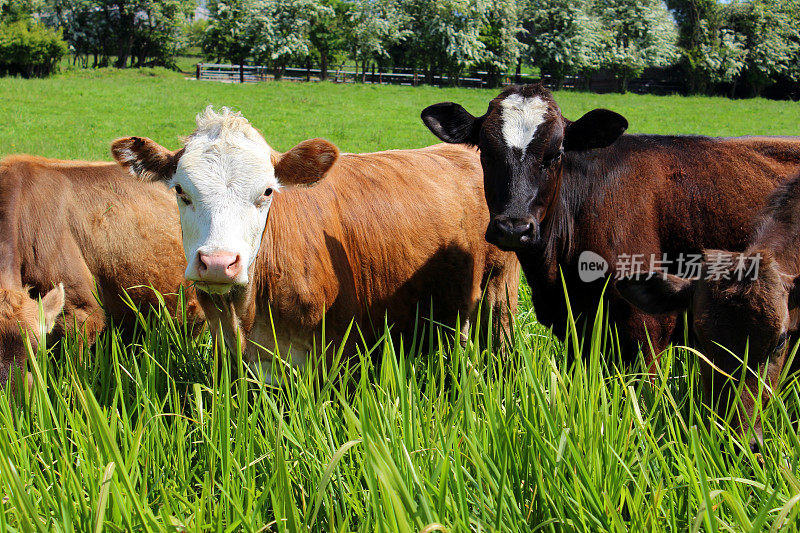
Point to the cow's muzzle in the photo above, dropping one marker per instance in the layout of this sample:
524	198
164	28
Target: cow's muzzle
510	234
216	272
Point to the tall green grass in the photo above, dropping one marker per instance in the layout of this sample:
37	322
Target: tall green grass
149	436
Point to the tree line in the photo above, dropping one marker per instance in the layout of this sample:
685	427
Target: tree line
737	47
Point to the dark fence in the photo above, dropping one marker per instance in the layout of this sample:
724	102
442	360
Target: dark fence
654	81
337	74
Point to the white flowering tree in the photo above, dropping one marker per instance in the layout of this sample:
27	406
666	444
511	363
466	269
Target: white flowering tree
287	35
373	27
236	27
711	54
499	34
637	34
565	37
445	35
770	31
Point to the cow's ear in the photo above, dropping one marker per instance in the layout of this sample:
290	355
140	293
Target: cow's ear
52	304
596	129
658	294
306	163
145	158
452	123
794	293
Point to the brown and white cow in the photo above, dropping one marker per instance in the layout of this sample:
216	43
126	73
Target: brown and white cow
384	236
557	189
743	305
71	230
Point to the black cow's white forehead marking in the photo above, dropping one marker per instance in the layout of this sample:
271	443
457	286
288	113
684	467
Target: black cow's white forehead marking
522	116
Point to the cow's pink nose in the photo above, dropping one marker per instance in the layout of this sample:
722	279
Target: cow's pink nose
219	267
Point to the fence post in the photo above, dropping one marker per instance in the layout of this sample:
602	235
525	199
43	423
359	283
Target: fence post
197	72
241	72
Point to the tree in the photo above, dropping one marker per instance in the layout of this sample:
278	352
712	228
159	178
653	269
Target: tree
288	30
499	35
373	27
16	10
710	53
135	31
638	34
235	29
327	33
446	34
566	37
770	30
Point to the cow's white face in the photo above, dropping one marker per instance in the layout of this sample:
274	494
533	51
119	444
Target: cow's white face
225	187
224	178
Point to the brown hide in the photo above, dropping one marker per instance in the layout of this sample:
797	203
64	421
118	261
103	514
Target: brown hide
87	225
585	186
743	305
651	195
383	234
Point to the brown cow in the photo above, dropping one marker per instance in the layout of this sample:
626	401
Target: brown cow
558	189
73	229
742	304
385	235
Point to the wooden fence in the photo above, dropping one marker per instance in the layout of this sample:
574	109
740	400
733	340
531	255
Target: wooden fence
654	81
337	74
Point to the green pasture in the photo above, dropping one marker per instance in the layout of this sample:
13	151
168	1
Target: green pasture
147	436
79	113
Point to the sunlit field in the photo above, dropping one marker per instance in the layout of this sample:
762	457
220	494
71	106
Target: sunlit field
79	114
146	434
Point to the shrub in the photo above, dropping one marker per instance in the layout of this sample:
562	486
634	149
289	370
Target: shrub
29	48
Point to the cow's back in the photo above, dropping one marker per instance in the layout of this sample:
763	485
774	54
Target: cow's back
663	197
85	222
385	233
681	194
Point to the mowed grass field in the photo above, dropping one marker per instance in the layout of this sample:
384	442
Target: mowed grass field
78	115
146	436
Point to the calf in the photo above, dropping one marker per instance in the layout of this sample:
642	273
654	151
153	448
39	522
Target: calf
558	190
72	231
385	236
744	306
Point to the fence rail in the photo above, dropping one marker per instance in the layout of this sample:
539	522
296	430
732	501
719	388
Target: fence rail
654	81
337	74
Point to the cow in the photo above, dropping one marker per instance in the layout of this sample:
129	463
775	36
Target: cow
72	232
385	236
562	193
745	307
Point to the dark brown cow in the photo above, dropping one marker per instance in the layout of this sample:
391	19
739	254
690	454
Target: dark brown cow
384	236
73	229
557	188
742	305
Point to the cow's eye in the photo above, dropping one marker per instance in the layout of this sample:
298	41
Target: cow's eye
264	198
782	341
182	195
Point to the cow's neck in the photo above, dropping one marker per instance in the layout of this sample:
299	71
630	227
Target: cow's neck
558	225
562	238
